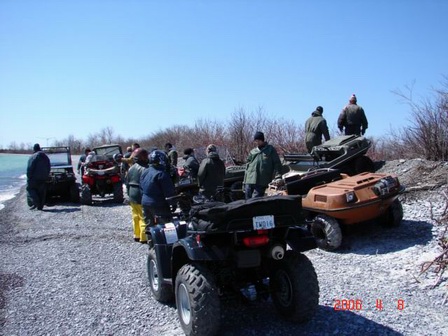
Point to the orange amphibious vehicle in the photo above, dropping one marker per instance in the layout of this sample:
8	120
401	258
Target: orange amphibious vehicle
343	200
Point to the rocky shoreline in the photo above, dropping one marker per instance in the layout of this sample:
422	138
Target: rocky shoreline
75	270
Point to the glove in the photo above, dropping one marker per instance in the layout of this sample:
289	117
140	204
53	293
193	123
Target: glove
340	129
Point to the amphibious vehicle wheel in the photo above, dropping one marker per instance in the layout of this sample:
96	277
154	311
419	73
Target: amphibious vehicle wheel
118	192
161	292
393	215
197	301
86	195
294	287
327	232
74	193
364	164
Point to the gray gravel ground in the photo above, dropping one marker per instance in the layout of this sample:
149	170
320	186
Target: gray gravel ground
75	270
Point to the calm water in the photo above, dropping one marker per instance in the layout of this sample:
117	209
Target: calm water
13	174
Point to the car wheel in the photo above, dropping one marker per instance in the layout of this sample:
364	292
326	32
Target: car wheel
86	195
118	192
393	215
327	232
74	193
197	301
161	292
294	287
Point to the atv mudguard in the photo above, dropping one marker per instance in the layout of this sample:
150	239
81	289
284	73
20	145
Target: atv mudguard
300	239
198	251
164	248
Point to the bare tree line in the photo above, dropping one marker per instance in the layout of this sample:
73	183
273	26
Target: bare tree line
427	136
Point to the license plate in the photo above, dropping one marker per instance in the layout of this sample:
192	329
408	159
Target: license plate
263	222
170	233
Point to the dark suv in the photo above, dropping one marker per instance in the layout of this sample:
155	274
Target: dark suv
62	181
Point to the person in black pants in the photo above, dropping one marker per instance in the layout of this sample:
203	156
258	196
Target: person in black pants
37	173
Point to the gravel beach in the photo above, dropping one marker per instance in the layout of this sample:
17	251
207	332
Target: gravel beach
75	270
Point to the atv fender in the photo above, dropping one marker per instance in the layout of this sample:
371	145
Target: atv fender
197	251
163	257
300	239
163	248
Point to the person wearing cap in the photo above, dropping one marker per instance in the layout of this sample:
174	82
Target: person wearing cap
172	155
315	128
37	173
263	165
211	172
353	118
191	164
135	194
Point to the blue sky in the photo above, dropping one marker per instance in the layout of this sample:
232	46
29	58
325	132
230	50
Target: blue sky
76	67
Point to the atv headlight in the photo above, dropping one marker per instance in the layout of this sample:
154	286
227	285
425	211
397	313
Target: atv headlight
350	197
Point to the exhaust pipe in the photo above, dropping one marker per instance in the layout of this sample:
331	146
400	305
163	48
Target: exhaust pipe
277	252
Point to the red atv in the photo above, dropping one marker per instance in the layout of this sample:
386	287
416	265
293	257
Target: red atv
102	175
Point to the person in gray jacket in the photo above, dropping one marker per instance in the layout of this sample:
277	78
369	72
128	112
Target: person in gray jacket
135	194
211	172
37	173
315	128
353	118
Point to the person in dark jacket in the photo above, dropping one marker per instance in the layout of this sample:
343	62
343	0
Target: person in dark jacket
353	118
135	195
37	173
211	172
263	165
191	164
156	185
315	128
171	153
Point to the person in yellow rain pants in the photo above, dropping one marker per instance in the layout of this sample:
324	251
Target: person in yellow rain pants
135	195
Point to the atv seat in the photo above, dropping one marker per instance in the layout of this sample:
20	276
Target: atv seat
238	215
340	140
